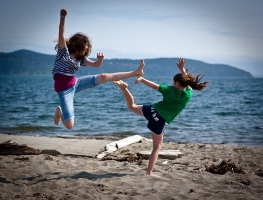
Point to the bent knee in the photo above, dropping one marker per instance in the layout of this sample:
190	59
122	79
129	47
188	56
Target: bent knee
132	108
102	78
69	124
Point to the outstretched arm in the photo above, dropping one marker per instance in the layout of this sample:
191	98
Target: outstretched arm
61	37
97	63
150	84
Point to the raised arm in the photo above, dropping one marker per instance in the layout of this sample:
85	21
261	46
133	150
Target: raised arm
150	84
180	65
97	63
61	37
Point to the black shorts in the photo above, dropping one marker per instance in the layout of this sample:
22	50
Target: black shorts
155	121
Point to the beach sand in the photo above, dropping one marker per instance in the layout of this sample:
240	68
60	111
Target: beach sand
77	174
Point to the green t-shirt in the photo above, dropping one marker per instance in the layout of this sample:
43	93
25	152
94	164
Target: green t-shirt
174	101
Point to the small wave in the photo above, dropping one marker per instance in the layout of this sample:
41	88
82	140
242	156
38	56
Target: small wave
249	102
227	113
43	116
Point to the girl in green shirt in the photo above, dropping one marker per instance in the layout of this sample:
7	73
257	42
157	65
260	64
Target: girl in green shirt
175	98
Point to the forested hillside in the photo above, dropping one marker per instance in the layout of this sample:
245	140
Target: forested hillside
24	62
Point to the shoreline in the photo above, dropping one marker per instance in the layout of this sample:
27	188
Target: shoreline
110	137
77	174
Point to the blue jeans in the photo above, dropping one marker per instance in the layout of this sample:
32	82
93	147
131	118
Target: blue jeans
66	97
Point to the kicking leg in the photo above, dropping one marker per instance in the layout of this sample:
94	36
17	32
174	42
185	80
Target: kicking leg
121	75
157	146
129	98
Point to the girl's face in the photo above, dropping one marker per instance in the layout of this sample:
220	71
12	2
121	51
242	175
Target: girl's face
86	48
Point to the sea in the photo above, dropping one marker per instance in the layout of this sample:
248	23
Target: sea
229	110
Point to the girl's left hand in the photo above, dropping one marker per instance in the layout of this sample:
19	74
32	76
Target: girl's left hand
139	79
100	55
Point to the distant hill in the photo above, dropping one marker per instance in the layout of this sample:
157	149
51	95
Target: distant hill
24	62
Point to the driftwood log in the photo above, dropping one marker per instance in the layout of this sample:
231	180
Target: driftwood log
114	146
13	148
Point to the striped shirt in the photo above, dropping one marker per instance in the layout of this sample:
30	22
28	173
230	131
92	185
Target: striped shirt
64	64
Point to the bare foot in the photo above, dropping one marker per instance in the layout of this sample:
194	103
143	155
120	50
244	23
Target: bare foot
139	71
57	115
150	174
121	84
153	175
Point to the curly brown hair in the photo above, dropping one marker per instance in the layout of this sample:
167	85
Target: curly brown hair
187	79
76	45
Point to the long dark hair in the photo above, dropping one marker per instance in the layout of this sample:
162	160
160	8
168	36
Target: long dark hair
76	44
187	79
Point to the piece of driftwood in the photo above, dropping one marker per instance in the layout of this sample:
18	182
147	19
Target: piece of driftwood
13	148
114	146
50	152
166	154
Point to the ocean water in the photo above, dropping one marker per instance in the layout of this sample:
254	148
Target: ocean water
229	110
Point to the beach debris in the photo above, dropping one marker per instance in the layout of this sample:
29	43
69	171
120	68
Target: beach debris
165	154
25	159
209	158
12	148
129	157
239	149
244	181
259	172
114	146
48	157
51	152
223	167
180	163
191	190
165	162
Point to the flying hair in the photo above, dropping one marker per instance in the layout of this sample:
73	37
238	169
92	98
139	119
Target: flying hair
192	80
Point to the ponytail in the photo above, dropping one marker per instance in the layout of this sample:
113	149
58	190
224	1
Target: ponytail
194	81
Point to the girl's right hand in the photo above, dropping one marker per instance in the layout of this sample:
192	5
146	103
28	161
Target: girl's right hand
63	12
180	65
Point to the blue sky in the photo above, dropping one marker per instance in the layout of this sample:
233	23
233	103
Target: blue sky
214	31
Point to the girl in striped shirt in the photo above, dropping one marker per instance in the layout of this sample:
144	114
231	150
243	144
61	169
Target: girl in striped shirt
71	54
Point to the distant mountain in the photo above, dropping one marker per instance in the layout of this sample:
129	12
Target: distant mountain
26	62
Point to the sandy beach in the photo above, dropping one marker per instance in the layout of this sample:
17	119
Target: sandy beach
202	171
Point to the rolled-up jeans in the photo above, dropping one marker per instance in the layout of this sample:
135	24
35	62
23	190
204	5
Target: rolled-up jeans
66	97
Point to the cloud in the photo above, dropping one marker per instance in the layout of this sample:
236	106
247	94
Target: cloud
223	33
